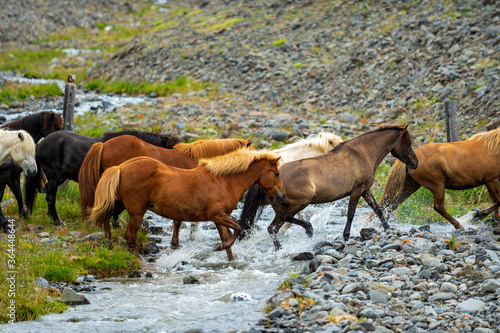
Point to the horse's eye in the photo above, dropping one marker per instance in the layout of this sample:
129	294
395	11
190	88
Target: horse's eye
277	174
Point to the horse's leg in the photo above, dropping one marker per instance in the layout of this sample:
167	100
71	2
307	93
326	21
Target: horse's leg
494	190
4	224
351	209
174	242
15	186
438	194
304	224
224	236
134	223
274	227
368	196
192	230
224	220
50	197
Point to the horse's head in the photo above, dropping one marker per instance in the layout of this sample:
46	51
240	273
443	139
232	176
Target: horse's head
53	122
270	182
23	153
403	151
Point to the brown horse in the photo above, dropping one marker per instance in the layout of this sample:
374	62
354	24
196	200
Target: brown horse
348	169
209	192
453	165
102	156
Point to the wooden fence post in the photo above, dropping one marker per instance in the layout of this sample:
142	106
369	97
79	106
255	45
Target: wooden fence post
69	103
450	109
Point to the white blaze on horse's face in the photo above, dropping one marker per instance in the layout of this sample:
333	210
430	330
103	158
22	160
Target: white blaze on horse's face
23	153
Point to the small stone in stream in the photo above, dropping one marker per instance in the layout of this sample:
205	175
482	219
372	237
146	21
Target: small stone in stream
304	256
149	275
191	279
134	275
71	298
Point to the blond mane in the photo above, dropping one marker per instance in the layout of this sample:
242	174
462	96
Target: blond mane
237	161
210	148
491	140
324	141
28	144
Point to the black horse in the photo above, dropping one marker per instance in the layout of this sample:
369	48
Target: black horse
38	125
61	154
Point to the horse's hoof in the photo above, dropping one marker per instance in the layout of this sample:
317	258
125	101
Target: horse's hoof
175	246
310	232
220	246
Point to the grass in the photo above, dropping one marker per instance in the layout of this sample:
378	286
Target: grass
13	91
279	42
61	261
181	84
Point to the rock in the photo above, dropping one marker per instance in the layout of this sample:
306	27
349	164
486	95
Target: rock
304	256
95	236
367	233
134	275
448	287
191	279
71	298
42	283
490	286
472	305
276	313
379	296
441	297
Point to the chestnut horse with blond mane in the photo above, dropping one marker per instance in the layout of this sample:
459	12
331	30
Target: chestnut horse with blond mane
452	165
209	192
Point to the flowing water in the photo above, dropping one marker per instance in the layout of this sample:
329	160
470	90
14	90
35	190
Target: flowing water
231	296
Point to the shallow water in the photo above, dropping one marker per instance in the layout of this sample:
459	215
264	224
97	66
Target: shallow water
165	304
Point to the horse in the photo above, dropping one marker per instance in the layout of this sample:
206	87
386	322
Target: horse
116	151
210	191
347	170
452	165
61	154
16	147
312	145
38	125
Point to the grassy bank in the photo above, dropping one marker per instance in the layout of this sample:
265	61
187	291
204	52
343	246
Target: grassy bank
12	91
61	257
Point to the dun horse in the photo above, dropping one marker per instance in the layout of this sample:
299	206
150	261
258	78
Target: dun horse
38	125
313	145
17	147
209	192
453	165
346	170
60	155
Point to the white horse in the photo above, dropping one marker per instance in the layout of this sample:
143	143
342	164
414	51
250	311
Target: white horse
19	147
313	145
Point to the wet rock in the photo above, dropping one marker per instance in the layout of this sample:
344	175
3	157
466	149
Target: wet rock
134	275
71	298
191	279
367	233
471	306
304	256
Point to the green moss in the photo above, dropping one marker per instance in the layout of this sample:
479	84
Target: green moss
21	92
279	42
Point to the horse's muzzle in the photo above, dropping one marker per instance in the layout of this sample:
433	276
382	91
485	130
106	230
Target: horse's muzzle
280	198
30	172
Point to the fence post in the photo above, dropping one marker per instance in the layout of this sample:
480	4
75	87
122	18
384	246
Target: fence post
69	103
450	109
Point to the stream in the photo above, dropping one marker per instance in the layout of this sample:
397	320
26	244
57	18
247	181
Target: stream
231	296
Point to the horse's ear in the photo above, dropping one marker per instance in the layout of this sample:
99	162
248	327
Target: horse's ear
276	160
406	127
249	144
21	137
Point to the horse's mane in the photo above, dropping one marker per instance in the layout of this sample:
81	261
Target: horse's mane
160	140
381	128
31	123
28	144
236	161
491	140
210	148
323	141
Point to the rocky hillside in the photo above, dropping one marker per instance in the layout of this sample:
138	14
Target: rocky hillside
298	65
377	60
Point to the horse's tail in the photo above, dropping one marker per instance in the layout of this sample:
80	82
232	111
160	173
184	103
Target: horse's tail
32	185
395	181
105	195
88	177
255	200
